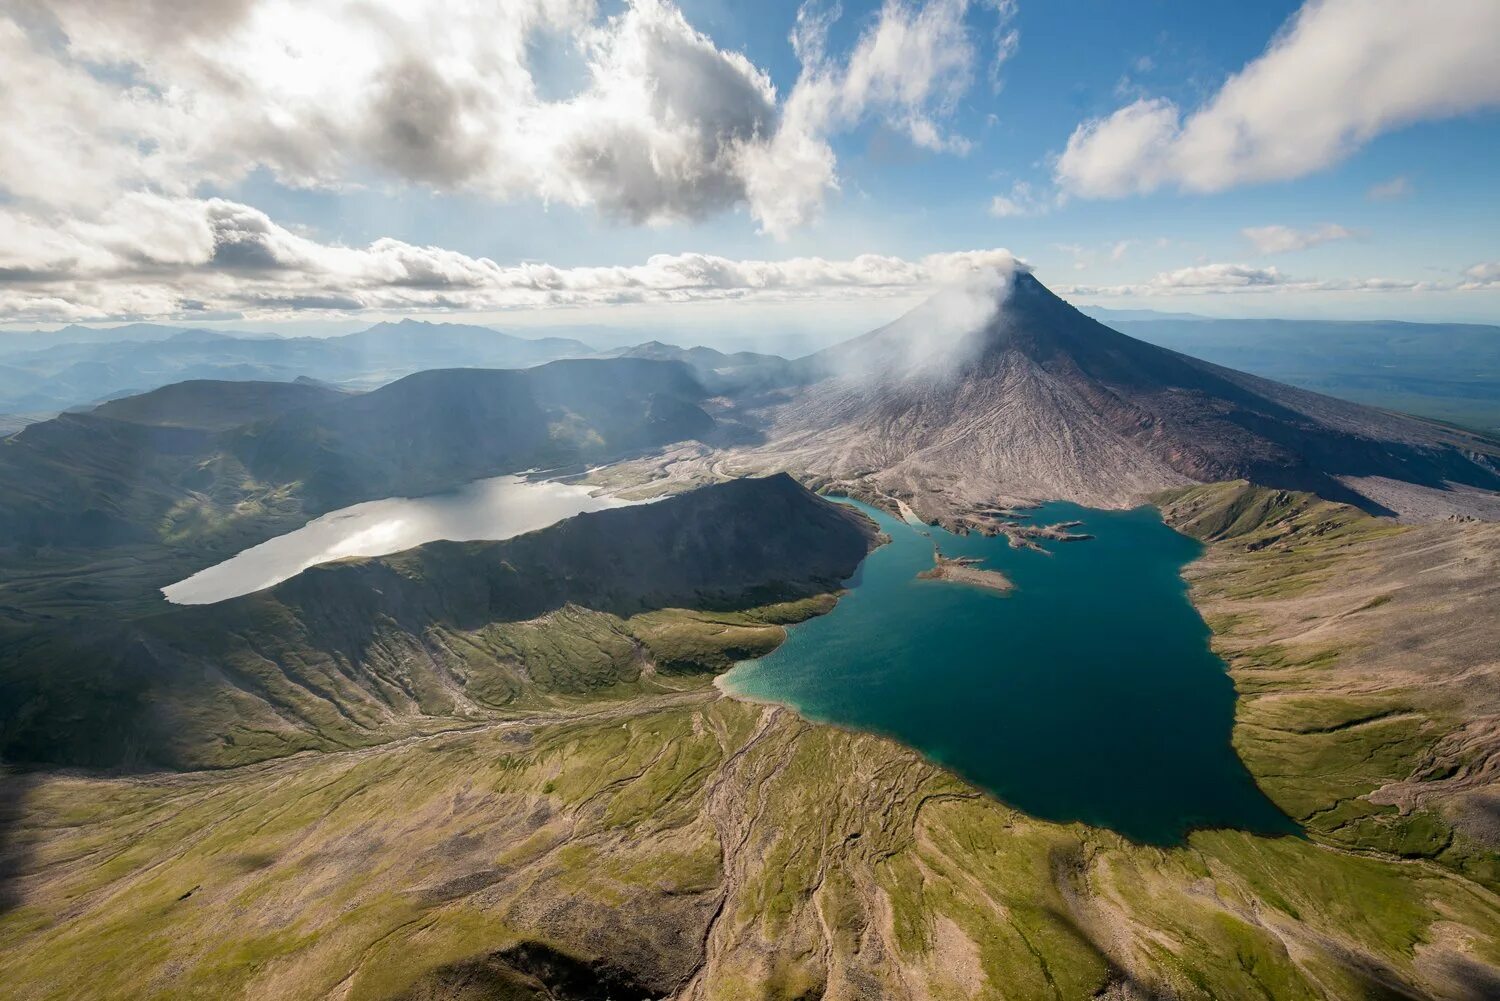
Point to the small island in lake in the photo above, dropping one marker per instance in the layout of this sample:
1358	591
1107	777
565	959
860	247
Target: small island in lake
965	570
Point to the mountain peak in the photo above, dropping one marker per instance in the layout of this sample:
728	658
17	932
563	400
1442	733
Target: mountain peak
403	325
988	314
1004	384
409	326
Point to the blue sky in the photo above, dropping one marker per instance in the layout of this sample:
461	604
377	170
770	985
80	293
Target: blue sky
949	128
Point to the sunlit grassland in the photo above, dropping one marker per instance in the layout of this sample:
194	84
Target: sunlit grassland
1318	732
369	869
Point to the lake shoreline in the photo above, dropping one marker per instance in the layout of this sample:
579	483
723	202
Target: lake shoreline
1071	701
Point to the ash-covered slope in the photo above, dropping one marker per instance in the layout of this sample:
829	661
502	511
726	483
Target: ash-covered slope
1033	400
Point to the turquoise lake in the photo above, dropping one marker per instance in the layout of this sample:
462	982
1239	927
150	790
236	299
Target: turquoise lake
1087	693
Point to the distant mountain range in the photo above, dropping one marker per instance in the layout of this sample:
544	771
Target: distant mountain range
1447	371
720	372
1110	317
164	467
1036	402
12	342
46	372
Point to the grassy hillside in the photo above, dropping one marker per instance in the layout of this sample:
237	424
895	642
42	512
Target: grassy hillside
706	849
604	824
88	481
215	405
618	829
353	653
1364	657
168	475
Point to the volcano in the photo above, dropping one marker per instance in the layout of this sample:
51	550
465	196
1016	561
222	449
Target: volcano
1025	399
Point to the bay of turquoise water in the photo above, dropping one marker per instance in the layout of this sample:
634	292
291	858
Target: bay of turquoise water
1088	693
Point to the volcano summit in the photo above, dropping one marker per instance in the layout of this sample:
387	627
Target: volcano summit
1034	399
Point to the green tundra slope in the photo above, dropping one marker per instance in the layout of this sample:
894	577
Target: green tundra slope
664	841
159	469
361	651
1367	662
101	510
699	849
214	404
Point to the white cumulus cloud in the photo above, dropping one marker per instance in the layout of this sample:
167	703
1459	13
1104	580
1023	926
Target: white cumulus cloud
219	256
1283	239
908	69
1022	201
1225	278
1339	73
637	114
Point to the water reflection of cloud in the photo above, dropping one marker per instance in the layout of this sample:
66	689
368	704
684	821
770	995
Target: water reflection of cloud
381	537
496	508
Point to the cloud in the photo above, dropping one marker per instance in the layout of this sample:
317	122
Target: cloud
1120	155
1217	277
660	125
1007	40
322	94
1339	73
1486	275
219	256
1086	257
1021	201
938	336
1225	278
1397	187
1283	239
908	70
1006	207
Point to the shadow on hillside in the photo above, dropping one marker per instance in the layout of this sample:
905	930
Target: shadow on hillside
14	855
530	969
